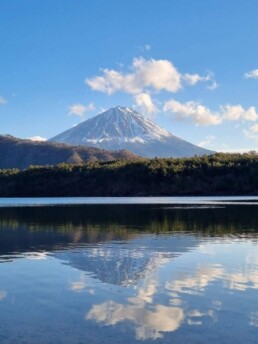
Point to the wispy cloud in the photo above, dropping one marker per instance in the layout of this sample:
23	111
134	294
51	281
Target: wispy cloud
252	132
253	74
80	109
193	79
213	85
2	100
207	141
145	47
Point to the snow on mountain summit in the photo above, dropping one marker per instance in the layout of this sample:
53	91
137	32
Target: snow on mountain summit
119	124
124	128
130	126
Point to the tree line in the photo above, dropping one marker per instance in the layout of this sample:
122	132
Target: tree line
217	174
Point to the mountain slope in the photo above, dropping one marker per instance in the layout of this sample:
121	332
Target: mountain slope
18	153
124	128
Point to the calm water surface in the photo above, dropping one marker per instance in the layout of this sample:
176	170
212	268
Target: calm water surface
153	273
44	201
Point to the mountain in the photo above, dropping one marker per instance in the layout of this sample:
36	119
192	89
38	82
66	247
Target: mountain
125	128
18	153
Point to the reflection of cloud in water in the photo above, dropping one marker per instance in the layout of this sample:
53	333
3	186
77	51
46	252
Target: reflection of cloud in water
217	304
152	319
196	283
242	280
2	294
81	285
78	286
247	276
254	319
195	316
252	257
36	255
146	294
175	302
149	323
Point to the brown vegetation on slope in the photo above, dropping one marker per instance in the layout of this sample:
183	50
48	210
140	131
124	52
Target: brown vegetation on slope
19	153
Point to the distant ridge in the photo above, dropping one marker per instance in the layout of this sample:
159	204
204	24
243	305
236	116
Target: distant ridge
125	128
19	153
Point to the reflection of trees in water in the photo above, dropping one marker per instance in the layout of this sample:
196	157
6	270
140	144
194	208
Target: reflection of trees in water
122	219
57	226
83	227
60	227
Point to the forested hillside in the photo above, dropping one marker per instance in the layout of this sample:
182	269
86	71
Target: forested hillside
19	153
218	174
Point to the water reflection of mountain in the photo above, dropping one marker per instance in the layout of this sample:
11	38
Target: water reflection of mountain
113	252
124	263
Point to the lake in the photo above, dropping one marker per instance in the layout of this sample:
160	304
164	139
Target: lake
129	270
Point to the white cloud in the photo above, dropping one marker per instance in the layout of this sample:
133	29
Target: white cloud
2	100
200	114
113	81
193	79
151	75
80	110
159	74
37	138
155	74
237	112
145	102
252	74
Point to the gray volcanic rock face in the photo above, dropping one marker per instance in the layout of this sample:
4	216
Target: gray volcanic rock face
124	128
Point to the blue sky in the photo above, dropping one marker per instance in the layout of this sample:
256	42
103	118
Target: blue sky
192	66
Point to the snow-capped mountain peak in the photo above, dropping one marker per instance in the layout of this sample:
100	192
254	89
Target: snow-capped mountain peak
121	124
124	128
